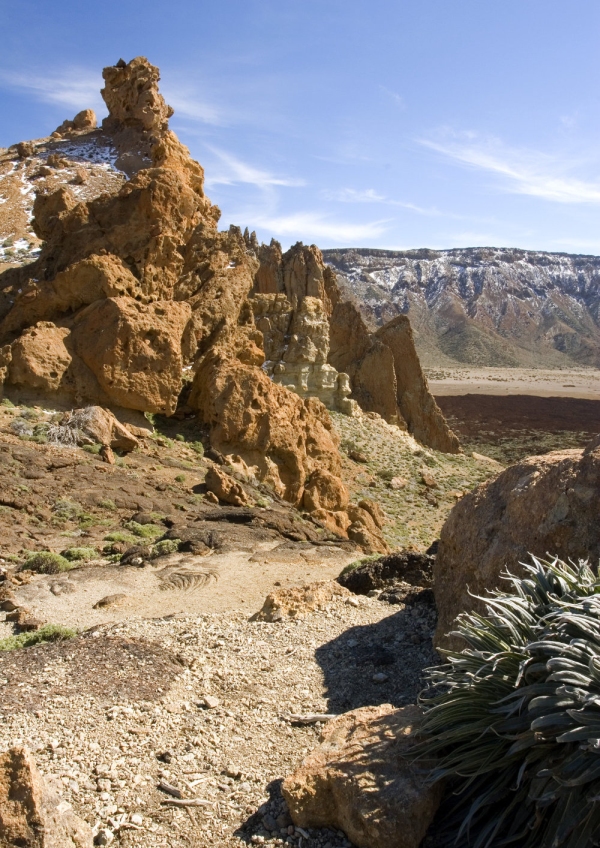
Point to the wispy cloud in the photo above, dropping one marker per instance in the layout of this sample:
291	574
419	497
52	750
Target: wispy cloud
315	226
188	104
234	171
351	195
75	87
524	171
397	98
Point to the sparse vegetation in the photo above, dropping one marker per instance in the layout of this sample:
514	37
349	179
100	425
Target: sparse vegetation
513	720
80	554
47	562
47	633
166	547
67	509
119	536
144	531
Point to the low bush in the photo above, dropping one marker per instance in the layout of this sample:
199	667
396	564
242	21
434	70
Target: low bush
80	554
119	536
513	720
166	547
47	633
47	562
144	531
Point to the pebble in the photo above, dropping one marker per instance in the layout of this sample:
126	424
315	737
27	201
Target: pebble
380	677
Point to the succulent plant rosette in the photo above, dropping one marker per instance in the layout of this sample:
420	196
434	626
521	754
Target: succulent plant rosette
512	722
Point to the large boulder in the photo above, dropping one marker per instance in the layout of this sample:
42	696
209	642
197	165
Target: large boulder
360	780
134	350
31	812
544	505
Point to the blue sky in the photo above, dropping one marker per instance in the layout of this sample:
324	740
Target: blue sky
414	123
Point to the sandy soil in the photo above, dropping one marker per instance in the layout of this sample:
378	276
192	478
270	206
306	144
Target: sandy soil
576	383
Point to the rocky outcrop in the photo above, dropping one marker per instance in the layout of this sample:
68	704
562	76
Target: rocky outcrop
543	505
296	345
360	780
298	273
283	439
225	488
386	375
424	418
31	812
298	601
83	121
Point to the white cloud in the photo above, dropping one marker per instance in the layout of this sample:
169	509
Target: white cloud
397	98
351	195
189	105
77	88
316	227
234	171
527	172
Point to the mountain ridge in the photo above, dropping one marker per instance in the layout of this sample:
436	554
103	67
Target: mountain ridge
481	306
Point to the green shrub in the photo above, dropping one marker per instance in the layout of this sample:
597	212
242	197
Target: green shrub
513	720
119	536
180	437
180	478
47	633
47	562
7	403
352	565
106	503
198	447
166	547
95	448
67	509
80	554
144	531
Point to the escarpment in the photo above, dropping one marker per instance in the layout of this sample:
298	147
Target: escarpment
137	301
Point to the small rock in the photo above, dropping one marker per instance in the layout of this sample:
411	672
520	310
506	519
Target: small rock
429	480
210	497
380	677
397	483
210	702
104	837
112	601
358	456
137	819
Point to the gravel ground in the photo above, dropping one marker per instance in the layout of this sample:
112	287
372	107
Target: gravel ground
123	709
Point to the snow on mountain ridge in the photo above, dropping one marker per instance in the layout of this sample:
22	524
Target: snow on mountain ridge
483	306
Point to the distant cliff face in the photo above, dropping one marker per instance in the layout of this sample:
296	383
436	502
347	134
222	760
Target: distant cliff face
482	306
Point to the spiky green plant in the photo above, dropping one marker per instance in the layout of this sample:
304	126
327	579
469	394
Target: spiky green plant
513	720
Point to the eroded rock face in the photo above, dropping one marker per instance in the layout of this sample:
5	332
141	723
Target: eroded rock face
136	289
282	438
386	375
360	781
299	601
544	505
31	812
423	416
296	343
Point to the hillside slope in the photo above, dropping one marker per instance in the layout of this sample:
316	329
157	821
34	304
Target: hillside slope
482	306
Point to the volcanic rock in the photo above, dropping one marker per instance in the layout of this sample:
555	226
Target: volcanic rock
225	487
31	812
359	780
299	600
545	505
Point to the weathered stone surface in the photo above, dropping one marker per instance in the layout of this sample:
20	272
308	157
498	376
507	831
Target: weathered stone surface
282	438
298	273
31	812
134	350
544	505
39	358
296	343
225	487
99	426
410	567
368	362
365	528
423	416
360	781
299	600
